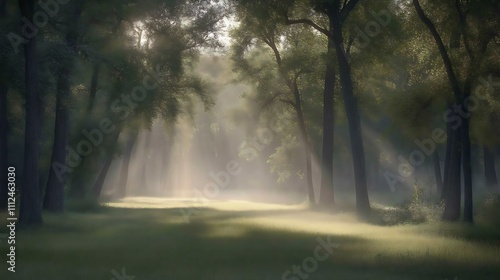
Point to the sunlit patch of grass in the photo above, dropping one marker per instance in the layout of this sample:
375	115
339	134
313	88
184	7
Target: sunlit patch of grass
243	240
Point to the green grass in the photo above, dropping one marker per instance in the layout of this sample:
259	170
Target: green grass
242	240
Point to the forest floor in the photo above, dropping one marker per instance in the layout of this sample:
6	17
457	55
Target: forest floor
145	239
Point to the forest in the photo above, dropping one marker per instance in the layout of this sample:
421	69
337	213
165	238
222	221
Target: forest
250	139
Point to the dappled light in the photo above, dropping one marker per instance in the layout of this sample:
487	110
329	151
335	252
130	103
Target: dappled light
249	139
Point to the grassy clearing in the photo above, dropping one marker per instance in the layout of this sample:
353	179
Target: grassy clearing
242	240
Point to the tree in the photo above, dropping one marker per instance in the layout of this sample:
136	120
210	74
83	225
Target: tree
54	192
489	168
460	139
123	179
30	211
337	14
292	63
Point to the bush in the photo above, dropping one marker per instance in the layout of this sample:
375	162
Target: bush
85	205
489	209
418	209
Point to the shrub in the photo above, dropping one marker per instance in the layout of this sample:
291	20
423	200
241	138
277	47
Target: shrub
489	209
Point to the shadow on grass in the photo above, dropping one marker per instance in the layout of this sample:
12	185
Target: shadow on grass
158	244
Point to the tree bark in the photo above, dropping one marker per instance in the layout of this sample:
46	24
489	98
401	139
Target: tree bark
30	210
3	8
297	105
462	135
353	118
437	171
489	168
122	185
327	196
93	86
54	192
466	153
306	143
453	195
447	160
99	183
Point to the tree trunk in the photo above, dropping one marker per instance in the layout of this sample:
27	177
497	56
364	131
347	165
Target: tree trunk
306	143
452	206
122	185
3	147
466	154
3	8
99	183
30	210
54	193
437	171
453	189
326	191
489	168
353	118
447	160
93	86
467	169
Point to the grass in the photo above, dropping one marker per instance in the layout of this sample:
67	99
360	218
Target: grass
242	240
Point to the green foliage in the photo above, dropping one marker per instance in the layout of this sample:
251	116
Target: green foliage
85	205
488	210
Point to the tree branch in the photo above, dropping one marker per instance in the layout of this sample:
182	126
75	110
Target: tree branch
346	10
442	51
289	102
463	24
310	23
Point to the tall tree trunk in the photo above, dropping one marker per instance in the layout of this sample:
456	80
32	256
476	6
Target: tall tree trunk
306	143
54	192
3	8
99	183
327	196
437	171
93	86
462	134
489	168
467	170
466	154
30	210
292	85
453	195
353	118
101	178
122	182
447	160
3	146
